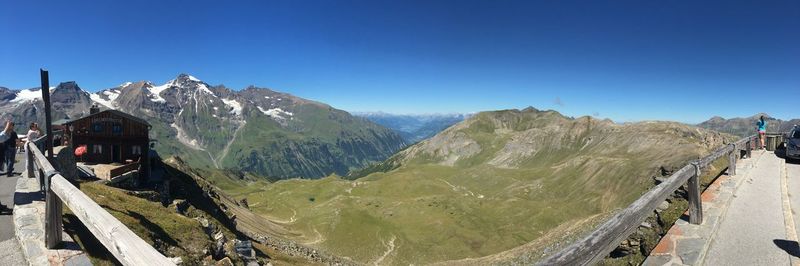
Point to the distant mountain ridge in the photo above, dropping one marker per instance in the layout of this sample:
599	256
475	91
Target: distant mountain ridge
258	130
414	127
745	126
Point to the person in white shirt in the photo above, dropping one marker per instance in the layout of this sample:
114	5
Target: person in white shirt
33	134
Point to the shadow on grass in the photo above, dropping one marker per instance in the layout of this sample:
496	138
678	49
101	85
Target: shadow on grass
96	251
791	247
154	229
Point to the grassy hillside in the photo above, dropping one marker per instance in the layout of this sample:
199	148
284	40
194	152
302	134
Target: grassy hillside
172	233
496	181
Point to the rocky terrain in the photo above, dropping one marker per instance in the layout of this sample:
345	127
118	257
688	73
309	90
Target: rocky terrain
500	182
269	133
745	126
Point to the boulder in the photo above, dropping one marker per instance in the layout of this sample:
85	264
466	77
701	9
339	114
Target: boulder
65	162
225	262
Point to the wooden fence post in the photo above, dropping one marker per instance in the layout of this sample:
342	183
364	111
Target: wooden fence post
695	202
749	147
53	212
732	160
29	158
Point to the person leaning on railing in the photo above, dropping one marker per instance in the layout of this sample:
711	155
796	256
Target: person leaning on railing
762	130
4	136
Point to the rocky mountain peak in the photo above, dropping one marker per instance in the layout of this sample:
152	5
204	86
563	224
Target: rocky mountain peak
185	80
68	86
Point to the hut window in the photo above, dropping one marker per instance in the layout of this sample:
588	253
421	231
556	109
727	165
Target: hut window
97	149
117	129
97	127
136	150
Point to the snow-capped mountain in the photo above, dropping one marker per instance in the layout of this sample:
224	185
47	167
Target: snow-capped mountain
256	129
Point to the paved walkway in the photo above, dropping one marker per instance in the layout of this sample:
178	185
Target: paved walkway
754	223
749	219
10	252
7	185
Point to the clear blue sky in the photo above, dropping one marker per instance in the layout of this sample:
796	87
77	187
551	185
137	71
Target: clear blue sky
625	60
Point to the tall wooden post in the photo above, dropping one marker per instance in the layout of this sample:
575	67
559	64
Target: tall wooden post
53	208
732	160
47	116
695	202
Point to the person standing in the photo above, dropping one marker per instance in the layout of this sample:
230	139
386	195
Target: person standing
762	130
33	134
4	136
10	148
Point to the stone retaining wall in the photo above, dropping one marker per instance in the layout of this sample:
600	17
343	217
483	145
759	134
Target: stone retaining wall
29	213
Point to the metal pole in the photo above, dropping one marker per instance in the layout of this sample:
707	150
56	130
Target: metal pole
47	119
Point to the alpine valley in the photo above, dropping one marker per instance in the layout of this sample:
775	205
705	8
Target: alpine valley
414	127
497	188
256	130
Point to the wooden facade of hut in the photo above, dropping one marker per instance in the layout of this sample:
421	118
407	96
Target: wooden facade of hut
111	136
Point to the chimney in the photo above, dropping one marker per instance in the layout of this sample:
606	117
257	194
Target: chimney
94	109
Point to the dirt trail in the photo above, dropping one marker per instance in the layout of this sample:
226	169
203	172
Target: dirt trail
389	249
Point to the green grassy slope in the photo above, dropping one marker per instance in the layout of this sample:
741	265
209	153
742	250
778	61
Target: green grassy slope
494	182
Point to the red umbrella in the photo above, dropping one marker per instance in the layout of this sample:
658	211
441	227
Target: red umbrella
80	150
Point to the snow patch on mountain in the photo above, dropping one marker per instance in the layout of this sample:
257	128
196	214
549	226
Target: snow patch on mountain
27	95
110	94
235	106
126	84
203	88
155	92
276	113
192	78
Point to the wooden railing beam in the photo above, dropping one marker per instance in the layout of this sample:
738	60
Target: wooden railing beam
606	237
121	242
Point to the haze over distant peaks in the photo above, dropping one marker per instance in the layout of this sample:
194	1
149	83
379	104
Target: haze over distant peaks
415	127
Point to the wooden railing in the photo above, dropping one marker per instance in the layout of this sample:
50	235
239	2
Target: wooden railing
116	172
127	247
599	243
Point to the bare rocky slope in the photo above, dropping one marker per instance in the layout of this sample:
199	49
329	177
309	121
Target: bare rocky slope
257	130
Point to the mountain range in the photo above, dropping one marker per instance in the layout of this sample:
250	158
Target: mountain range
500	181
414	127
258	130
745	126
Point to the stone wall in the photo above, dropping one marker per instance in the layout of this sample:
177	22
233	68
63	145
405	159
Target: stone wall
29	213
